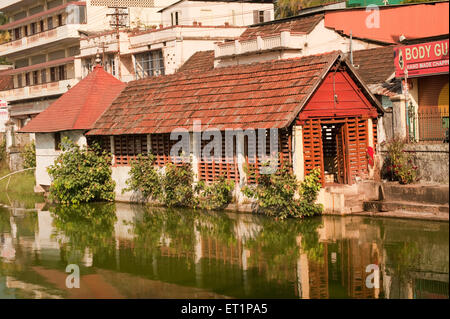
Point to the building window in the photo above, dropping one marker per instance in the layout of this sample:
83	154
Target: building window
35	78
260	16
149	64
44	76
57	141
87	66
60	20
53	74
25	30
50	23
27	79
111	65
19	81
33	28
41	26
175	18
17	33
62	72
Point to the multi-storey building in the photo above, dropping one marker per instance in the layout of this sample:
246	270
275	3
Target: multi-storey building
185	27
43	45
53	43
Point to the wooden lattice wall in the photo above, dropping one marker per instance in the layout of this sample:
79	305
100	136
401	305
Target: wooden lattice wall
211	168
352	144
127	147
284	153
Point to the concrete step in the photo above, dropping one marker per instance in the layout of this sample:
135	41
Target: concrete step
353	207
420	193
408	206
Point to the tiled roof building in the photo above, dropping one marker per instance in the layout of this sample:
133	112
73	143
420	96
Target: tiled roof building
80	107
259	95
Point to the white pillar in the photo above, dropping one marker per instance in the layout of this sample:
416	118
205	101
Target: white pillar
195	140
111	142
399	115
241	158
149	144
285	38
370	132
259	43
297	158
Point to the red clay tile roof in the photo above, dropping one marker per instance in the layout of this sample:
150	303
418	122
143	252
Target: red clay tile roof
303	24
413	21
375	65
199	62
79	107
259	95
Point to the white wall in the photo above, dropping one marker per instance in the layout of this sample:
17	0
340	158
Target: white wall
46	153
215	13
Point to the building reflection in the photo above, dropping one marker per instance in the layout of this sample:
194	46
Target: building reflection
127	251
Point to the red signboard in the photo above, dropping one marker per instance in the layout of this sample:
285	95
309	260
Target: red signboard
421	59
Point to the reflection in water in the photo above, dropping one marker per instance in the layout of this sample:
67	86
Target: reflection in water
128	251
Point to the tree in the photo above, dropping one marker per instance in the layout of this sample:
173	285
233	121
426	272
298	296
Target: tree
289	8
4	36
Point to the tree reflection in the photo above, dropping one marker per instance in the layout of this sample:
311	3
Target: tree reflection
88	226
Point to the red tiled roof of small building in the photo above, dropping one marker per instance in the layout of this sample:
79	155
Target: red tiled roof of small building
259	95
79	107
303	24
199	62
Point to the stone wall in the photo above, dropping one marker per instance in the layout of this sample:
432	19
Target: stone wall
432	160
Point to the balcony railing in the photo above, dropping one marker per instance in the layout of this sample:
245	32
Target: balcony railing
60	33
284	40
7	3
158	36
38	90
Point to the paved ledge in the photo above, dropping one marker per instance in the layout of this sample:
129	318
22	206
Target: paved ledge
408	215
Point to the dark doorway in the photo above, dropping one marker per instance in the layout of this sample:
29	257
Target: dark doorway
334	145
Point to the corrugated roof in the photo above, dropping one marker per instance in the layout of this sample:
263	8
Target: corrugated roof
259	95
80	107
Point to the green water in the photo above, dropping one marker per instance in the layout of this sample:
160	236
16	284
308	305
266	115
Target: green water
127	251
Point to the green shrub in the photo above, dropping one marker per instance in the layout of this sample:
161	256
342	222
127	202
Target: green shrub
29	155
398	165
177	186
216	195
275	194
81	175
144	178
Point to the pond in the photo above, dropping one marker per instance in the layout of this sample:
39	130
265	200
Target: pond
129	251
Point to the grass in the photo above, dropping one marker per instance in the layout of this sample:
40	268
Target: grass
20	188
